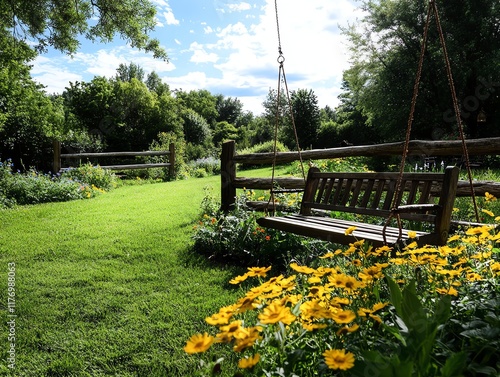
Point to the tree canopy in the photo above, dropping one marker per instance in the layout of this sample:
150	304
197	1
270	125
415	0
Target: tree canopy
59	23
385	51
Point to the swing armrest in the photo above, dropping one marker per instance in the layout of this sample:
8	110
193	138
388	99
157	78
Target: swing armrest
417	208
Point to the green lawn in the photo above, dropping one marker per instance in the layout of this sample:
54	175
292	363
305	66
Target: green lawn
105	286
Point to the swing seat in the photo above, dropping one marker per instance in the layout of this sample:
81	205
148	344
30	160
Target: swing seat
426	200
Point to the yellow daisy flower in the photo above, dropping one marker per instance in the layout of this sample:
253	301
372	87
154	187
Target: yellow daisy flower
249	362
199	343
339	359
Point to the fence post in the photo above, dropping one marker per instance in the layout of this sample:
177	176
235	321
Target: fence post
56	165
171	169
227	175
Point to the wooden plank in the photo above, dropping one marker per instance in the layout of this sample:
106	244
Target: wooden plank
135	166
486	146
115	154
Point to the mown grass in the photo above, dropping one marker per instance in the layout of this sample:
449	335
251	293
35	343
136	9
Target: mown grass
106	287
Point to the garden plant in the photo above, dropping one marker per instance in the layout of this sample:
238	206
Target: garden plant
355	310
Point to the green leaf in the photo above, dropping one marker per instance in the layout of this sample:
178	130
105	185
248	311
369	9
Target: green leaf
396	296
412	311
442	312
455	365
397	334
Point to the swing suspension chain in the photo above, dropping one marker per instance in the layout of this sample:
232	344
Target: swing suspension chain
282	78
431	9
455	106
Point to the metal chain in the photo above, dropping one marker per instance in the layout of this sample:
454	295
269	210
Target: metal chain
408	128
455	106
282	76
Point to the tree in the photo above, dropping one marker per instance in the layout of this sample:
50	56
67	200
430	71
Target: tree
156	85
128	72
229	109
196	129
201	101
385	53
28	117
306	115
59	23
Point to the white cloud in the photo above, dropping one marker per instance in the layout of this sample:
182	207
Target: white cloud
170	17
239	7
200	55
52	75
315	51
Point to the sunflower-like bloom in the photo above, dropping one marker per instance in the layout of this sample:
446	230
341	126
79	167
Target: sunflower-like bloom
339	359
343	316
258	271
275	312
249	362
199	343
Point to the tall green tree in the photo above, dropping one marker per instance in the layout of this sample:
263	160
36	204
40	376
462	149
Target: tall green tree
59	23
306	115
201	101
128	72
28	117
385	52
229	109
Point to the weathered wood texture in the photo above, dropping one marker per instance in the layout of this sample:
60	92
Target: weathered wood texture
58	156
229	160
463	189
372	194
475	147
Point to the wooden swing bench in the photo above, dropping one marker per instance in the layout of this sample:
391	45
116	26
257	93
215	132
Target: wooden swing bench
423	198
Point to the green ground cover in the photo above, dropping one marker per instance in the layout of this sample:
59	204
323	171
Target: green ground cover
104	286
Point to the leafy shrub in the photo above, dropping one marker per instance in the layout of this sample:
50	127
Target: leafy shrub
236	237
35	187
203	167
162	143
92	176
266	147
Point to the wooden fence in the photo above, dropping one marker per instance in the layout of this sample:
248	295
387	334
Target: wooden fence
58	157
229	160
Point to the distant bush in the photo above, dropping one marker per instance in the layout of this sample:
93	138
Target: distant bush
210	165
34	187
92	176
266	147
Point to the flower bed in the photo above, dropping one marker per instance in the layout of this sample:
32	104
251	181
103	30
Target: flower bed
360	311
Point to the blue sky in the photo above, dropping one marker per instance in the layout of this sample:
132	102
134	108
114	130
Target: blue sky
228	47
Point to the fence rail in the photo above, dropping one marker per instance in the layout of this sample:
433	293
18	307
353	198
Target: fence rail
58	157
229	160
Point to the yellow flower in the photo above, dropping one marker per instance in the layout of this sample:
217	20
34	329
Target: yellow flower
344	316
331	254
199	343
258	271
349	230
274	313
249	362
489	197
347	329
218	319
447	291
239	279
412	234
454	238
302	269
339	359
488	212
246	338
371	273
